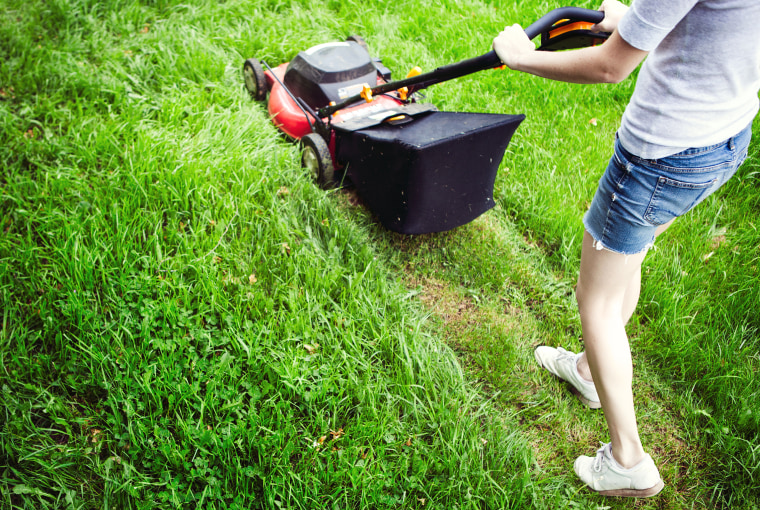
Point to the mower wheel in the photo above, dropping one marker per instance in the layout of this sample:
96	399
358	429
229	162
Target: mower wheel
255	79
317	160
358	40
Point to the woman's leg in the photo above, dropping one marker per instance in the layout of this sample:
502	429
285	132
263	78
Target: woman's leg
607	284
630	300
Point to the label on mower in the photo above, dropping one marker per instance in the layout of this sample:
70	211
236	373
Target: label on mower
351	90
318	47
372	111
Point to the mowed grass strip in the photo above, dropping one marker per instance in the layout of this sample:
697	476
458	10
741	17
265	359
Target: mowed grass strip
495	333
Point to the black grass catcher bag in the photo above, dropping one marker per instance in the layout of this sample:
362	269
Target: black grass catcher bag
428	171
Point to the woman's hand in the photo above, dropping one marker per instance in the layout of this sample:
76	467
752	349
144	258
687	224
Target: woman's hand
613	11
511	43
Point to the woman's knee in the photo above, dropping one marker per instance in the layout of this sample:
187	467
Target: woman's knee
598	301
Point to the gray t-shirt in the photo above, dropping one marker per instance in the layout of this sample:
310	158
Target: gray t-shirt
699	84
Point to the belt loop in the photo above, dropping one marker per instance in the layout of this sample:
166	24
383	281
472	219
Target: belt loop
731	143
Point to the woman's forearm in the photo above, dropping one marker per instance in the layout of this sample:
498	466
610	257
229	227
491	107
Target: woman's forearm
610	62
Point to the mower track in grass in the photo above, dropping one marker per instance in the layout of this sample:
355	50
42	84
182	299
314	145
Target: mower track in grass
494	335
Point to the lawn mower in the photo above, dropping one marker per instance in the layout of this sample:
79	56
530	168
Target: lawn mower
418	170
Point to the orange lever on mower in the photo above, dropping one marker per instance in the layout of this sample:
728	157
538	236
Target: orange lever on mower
403	92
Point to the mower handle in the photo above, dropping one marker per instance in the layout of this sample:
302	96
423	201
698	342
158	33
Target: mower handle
544	23
574	13
472	65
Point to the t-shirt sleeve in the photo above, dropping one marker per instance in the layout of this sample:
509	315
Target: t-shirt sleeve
647	22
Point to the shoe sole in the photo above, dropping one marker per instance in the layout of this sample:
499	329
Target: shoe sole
592	404
588	403
635	493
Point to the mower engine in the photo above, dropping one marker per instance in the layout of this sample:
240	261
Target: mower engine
332	72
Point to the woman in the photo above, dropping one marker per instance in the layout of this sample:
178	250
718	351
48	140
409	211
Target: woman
684	133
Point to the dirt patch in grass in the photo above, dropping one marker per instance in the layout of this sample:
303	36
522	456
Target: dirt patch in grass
454	309
556	426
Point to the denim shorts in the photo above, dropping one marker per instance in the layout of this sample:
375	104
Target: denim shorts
635	196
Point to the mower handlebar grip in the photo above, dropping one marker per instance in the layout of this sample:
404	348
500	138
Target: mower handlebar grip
544	23
550	18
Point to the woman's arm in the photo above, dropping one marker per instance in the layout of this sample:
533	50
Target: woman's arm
610	62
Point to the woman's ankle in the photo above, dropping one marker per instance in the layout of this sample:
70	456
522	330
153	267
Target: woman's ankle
583	369
628	458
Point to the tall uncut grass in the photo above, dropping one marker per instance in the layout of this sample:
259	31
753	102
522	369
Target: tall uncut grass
187	321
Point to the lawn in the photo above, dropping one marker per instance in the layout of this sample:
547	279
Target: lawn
188	321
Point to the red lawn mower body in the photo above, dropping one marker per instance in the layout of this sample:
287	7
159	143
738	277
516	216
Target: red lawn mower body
419	170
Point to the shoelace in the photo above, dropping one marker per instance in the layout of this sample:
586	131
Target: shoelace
599	460
570	356
564	354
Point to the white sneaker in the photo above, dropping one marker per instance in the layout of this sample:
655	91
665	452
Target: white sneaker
604	475
564	364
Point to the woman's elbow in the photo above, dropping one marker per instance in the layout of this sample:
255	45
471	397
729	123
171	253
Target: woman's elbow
617	59
613	75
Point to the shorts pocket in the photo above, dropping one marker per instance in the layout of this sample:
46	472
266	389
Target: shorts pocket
673	198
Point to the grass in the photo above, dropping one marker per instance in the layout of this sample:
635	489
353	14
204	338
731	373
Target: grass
188	322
